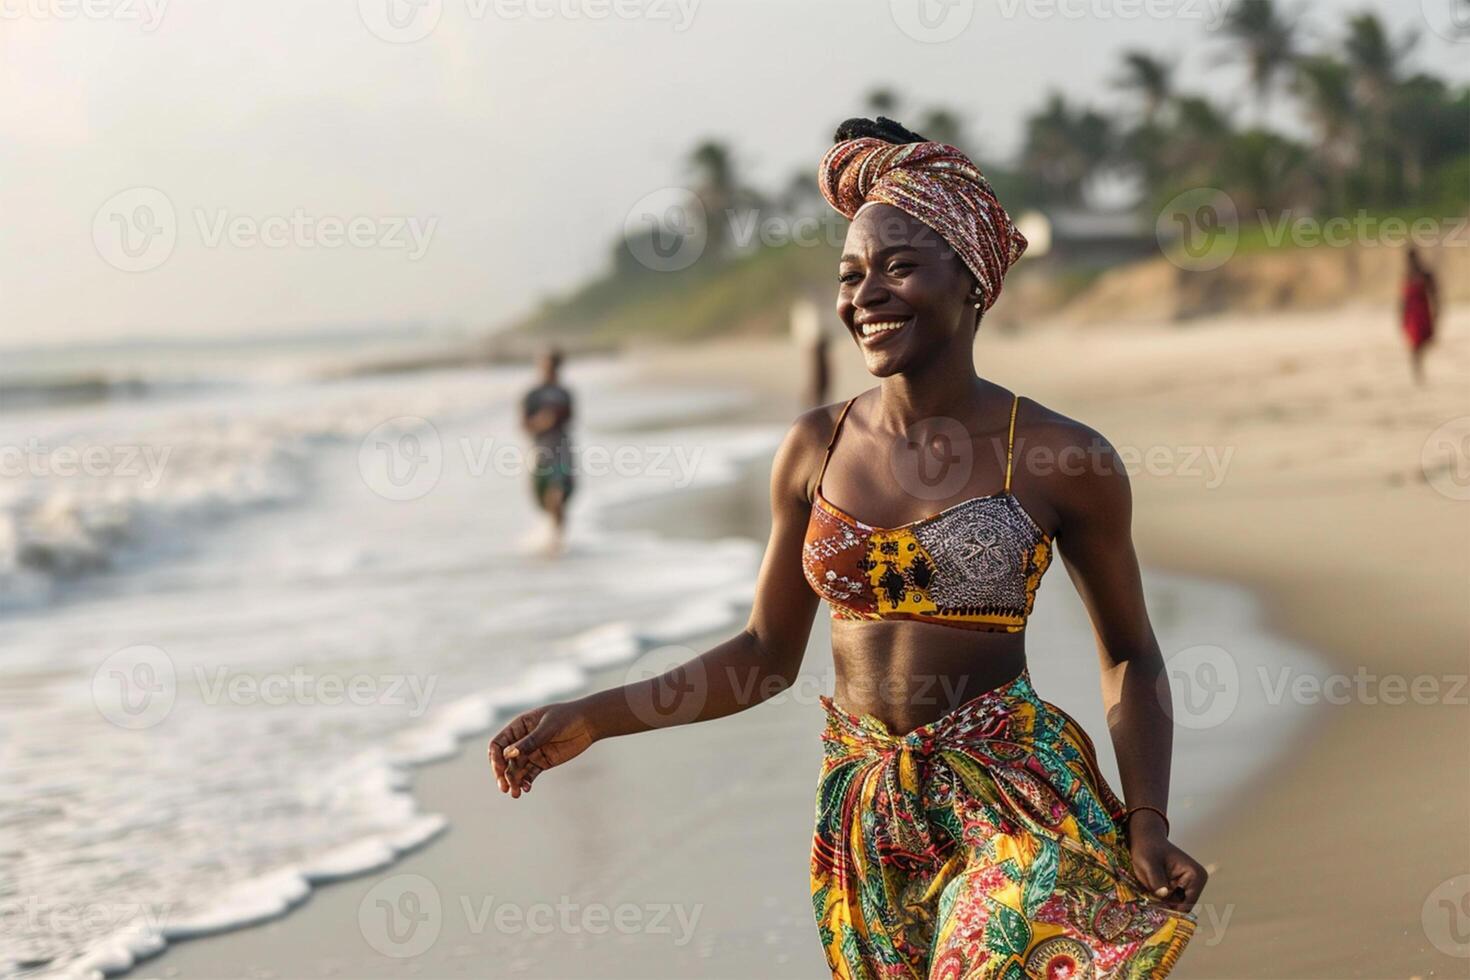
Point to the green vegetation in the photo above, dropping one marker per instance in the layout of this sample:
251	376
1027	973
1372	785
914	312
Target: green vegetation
749	292
1381	140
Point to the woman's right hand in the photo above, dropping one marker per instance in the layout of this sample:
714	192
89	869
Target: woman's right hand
537	740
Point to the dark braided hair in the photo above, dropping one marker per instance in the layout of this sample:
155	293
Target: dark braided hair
881	128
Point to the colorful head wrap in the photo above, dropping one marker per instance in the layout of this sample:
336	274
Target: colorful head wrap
934	183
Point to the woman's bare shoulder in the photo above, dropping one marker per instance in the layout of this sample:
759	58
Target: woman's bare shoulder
799	458
1044	427
1071	466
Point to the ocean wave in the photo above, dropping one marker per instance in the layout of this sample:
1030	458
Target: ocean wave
223	464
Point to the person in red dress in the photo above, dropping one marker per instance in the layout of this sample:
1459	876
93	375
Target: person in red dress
1419	311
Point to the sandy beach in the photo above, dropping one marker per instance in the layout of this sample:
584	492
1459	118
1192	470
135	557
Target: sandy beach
1288	455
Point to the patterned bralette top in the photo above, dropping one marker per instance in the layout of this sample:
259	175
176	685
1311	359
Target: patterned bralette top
975	565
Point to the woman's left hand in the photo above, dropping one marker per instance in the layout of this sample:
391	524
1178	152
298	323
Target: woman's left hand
1173	878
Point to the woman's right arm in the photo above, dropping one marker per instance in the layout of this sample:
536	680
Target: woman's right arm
754	665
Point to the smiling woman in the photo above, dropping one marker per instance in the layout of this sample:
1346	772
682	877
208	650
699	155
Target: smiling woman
973	837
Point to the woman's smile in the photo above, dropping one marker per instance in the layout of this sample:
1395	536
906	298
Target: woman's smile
879	331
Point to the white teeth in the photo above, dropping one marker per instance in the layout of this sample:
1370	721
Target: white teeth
871	328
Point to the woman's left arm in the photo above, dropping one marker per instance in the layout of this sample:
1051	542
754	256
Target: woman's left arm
1094	503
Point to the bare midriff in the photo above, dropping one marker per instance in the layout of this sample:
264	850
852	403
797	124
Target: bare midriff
907	674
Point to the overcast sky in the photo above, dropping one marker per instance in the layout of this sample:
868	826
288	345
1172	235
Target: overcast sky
227	166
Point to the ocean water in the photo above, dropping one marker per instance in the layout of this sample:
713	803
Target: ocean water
237	611
239	601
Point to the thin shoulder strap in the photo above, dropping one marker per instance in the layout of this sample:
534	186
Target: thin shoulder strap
1011	440
833	441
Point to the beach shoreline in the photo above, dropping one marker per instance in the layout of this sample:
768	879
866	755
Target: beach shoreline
776	779
1312	925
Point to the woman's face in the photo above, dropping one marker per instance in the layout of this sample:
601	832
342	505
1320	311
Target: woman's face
903	292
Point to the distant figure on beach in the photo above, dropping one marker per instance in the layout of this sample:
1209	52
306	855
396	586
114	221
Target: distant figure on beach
812	340
546	413
963	826
1418	311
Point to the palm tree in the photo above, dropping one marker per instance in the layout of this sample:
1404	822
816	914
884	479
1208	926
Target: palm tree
1325	86
942	126
1376	60
1265	170
1267	42
1197	138
717	190
1066	147
800	190
1419	113
882	102
1151	78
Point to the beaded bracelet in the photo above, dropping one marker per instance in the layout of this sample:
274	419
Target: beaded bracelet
1128	815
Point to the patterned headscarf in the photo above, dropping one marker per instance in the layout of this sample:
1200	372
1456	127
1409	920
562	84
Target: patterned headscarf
936	184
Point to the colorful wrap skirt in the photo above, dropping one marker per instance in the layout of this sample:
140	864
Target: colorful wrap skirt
984	844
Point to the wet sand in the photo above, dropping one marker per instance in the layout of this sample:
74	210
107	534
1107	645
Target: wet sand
1324	865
